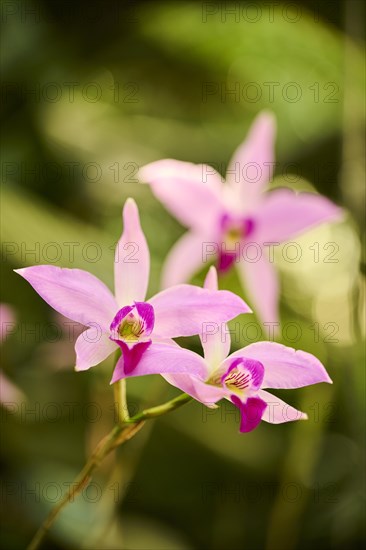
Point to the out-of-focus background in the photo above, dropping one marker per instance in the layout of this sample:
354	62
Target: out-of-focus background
90	92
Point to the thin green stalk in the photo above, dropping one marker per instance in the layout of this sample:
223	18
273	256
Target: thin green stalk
161	409
120	398
118	436
121	401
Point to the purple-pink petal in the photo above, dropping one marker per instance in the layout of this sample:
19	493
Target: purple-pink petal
147	315
211	279
190	192
284	367
251	166
164	358
131	356
285	214
75	293
226	260
187	257
243	373
197	388
141	312
277	411
184	310
215	337
260	280
91	348
132	259
120	315
251	412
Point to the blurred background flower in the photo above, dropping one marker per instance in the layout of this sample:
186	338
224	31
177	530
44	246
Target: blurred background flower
91	92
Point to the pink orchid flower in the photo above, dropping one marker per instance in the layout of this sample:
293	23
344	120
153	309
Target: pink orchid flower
244	376
225	218
141	329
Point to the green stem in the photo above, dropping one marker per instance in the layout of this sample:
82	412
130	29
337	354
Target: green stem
161	409
118	436
120	398
121	401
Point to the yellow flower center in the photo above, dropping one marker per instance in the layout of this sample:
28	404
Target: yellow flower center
130	330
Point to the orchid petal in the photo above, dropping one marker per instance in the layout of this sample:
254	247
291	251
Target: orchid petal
118	318
133	322
215	339
284	367
132	259
242	373
254	158
260	280
198	389
146	313
190	192
132	356
185	310
278	411
285	214
211	280
75	293
92	348
226	261
251	412
162	359
184	259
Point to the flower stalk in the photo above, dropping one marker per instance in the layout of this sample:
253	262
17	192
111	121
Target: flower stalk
120	434
159	410
121	401
120	397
